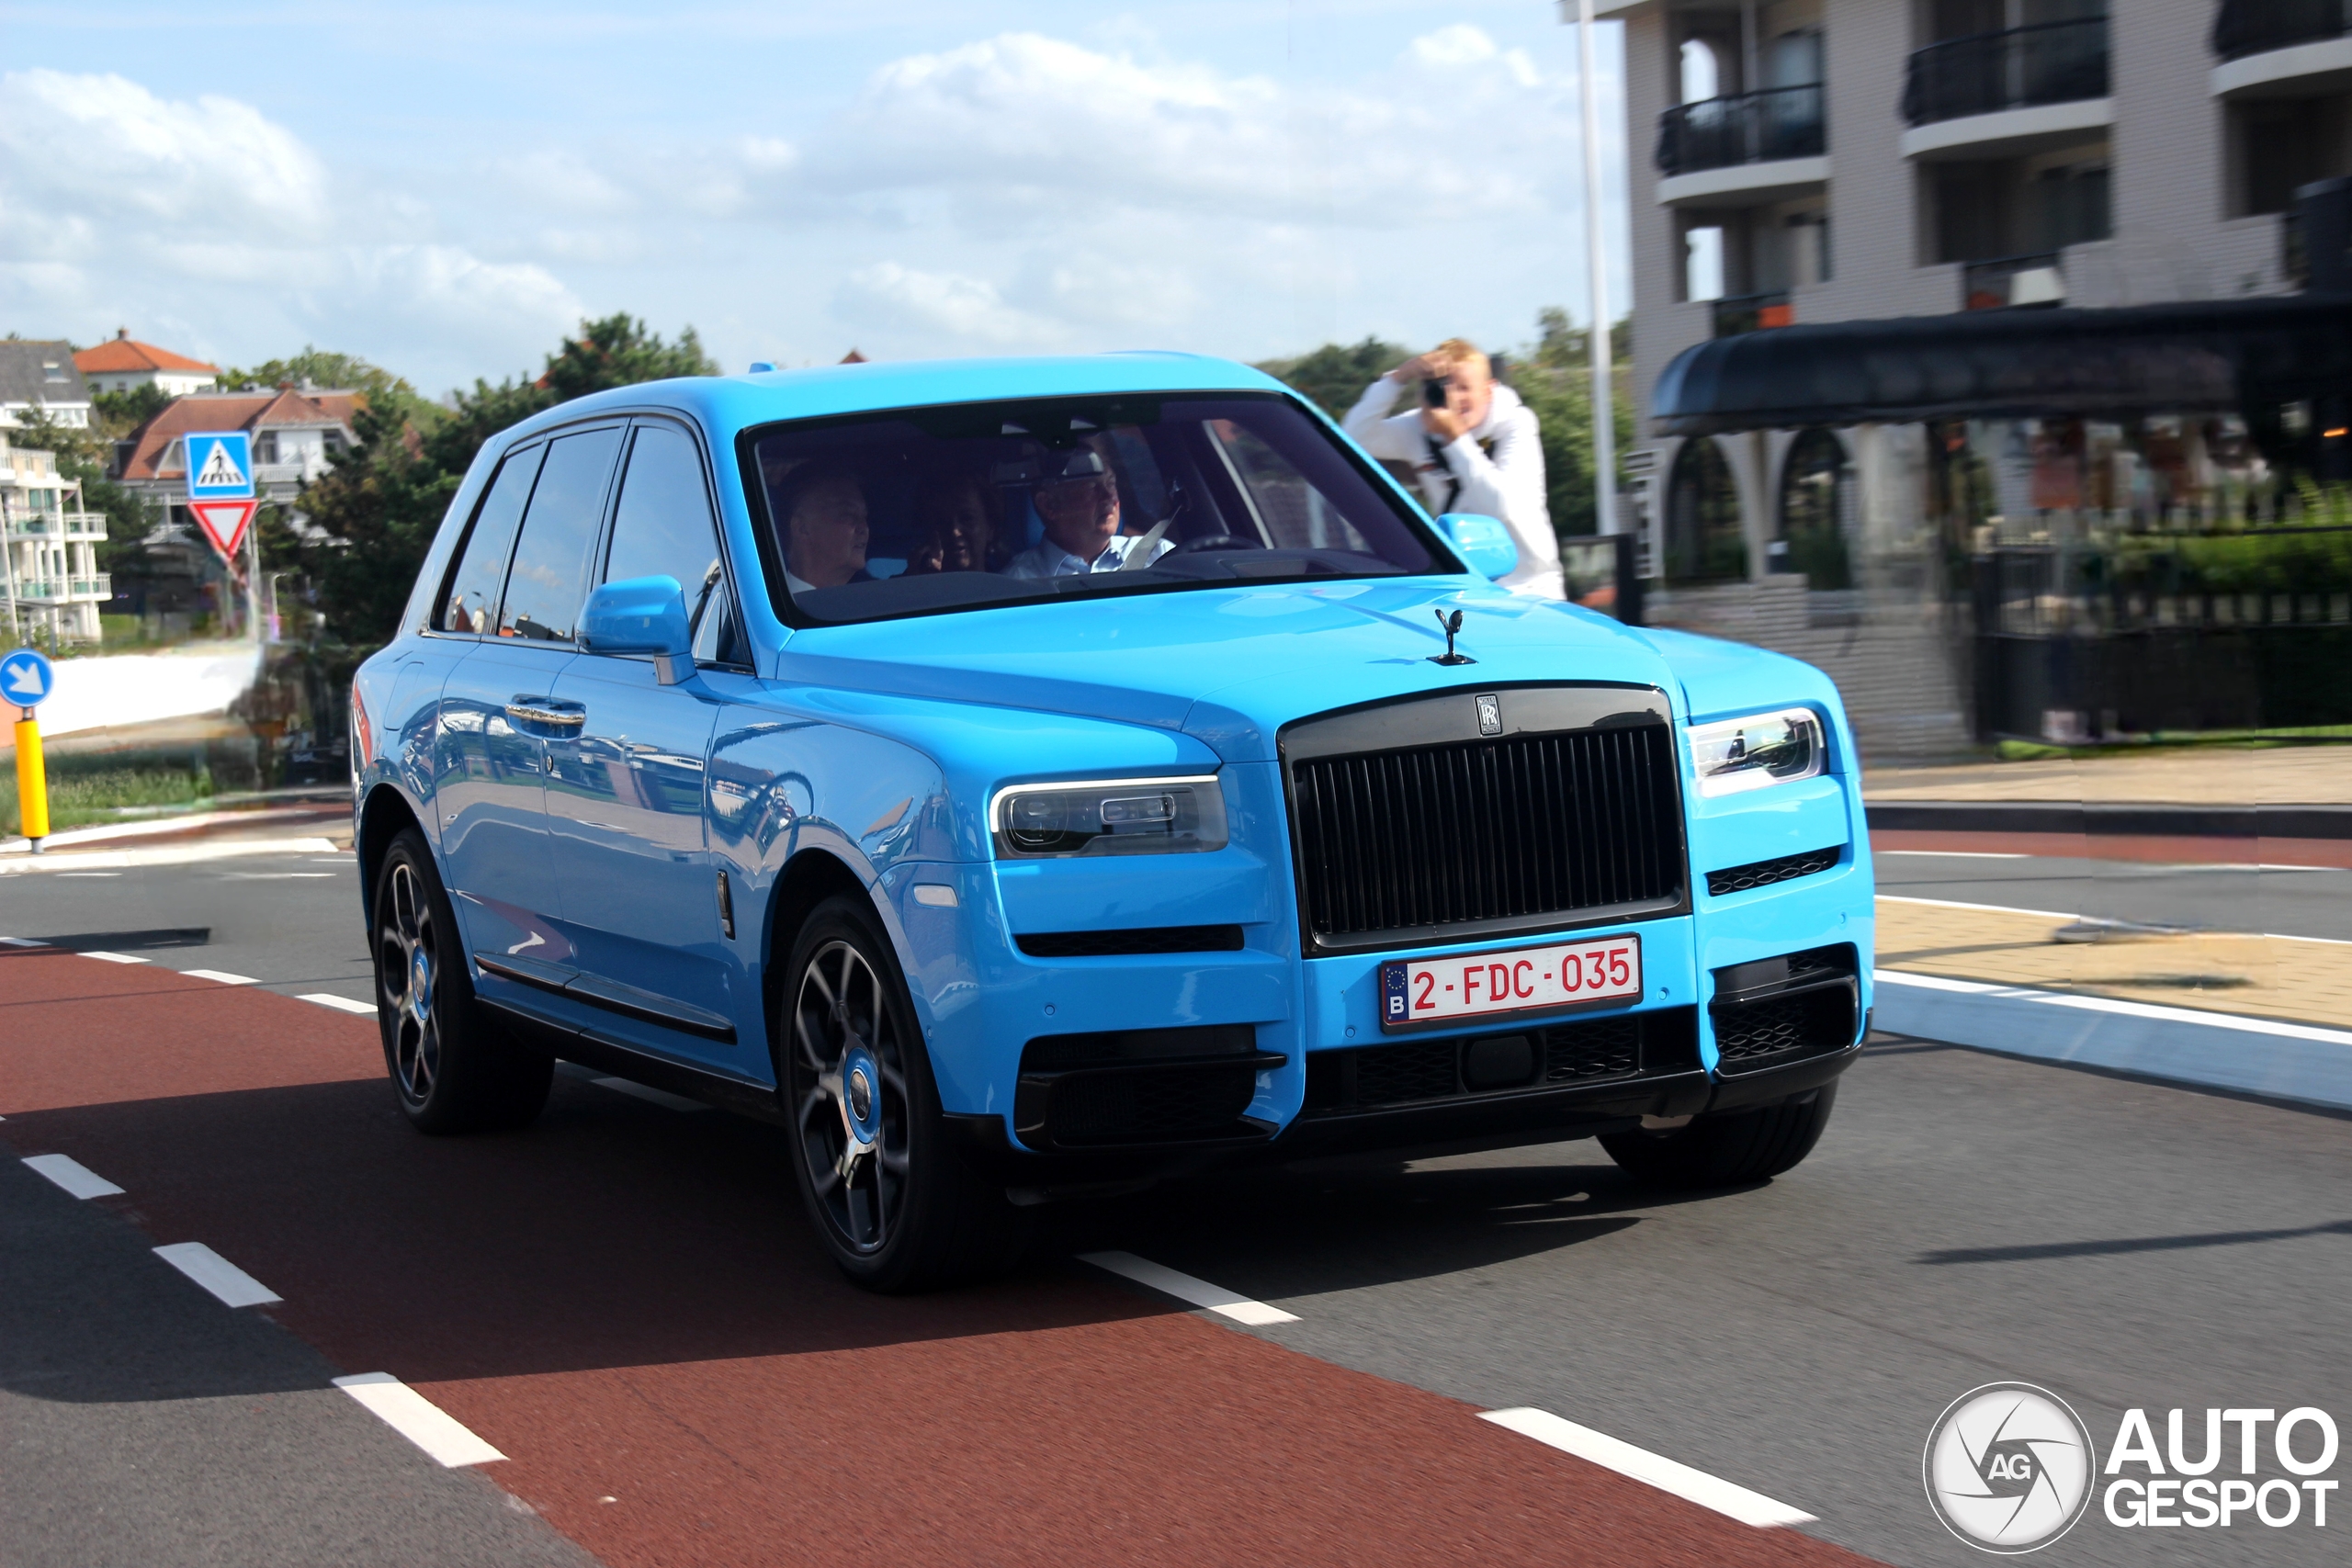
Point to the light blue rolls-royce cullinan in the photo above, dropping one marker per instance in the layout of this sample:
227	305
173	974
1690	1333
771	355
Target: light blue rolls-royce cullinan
1016	777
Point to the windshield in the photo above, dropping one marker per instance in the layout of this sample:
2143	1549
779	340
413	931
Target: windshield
984	503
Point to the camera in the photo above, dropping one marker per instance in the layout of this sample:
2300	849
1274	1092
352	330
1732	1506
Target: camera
1433	392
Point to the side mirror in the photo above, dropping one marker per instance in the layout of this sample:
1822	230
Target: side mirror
642	615
1481	541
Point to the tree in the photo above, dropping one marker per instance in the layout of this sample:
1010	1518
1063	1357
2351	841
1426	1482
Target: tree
120	413
323	368
1333	376
370	519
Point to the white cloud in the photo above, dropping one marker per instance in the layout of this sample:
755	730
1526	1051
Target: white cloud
894	298
207	217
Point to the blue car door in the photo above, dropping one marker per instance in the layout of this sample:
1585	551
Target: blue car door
498	710
625	795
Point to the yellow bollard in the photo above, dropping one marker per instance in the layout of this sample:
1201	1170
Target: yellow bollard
32	781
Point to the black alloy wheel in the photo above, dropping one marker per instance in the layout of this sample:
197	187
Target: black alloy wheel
455	1069
892	1196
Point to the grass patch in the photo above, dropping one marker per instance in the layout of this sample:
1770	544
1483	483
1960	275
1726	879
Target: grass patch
79	799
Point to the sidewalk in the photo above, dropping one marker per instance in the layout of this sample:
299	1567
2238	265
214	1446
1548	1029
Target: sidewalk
2209	776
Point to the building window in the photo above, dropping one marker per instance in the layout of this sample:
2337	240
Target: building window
1811	535
1703	543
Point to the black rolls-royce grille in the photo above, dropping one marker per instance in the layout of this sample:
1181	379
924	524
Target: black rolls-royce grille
1515	828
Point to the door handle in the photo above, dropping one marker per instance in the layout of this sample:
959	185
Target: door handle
541	710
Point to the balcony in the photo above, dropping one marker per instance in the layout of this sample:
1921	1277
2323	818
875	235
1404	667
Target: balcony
1997	93
1736	313
2012	282
2282	48
62	590
66	526
1748	148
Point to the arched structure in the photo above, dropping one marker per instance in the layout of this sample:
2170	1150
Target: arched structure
1703	542
1810	535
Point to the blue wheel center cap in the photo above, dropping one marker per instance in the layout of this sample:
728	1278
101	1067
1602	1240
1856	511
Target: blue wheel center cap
862	1094
420	977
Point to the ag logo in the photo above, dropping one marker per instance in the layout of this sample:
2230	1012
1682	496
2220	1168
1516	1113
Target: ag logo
1490	713
2009	1468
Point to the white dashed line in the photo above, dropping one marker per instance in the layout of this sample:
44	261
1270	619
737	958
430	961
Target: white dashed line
221	977
1651	1470
1953	854
73	1176
214	1273
1987	909
1184	1288
114	957
340	1004
20	941
417	1419
646	1092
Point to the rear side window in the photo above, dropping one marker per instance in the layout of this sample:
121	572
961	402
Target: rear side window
549	578
472	604
664	526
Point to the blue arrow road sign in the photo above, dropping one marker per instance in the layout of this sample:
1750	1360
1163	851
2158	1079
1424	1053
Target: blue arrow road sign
220	465
26	678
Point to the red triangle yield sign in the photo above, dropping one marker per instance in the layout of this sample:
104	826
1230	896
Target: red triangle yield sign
223	523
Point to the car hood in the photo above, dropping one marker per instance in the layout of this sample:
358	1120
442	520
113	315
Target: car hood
1229	666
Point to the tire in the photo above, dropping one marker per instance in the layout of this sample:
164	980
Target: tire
889	1194
455	1069
1728	1150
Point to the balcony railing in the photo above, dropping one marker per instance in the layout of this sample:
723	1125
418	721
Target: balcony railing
62	590
2056	62
1751	127
1749	312
2008	281
2257	26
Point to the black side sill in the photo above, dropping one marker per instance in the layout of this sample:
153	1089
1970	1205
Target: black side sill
646	1007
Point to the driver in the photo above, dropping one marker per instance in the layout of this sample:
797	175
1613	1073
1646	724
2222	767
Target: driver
1078	501
823	507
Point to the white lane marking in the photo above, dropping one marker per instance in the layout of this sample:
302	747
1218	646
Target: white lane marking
1184	1288
114	957
340	1004
89	874
1955	855
2324	940
1653	1470
20	941
646	1092
214	1273
1987	909
15	863
244	875
73	1176
222	975
2153	1011
417	1419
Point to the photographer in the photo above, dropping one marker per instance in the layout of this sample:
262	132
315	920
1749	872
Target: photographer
1473	446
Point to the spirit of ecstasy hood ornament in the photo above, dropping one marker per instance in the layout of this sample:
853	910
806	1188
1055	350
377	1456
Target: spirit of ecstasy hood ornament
1450	625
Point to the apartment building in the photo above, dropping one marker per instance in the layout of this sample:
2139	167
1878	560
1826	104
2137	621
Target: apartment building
51	586
1877	197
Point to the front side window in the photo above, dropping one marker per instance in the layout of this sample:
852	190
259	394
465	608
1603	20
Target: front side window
549	578
471	604
986	503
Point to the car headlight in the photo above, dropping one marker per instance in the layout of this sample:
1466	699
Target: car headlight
1733	754
1115	816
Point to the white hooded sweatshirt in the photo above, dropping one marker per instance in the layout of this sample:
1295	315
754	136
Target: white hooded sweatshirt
1497	468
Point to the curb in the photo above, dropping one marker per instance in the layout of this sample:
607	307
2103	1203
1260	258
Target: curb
2150	822
2248	1055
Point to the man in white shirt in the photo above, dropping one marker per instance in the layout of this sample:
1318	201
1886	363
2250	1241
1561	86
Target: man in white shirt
1477	451
1078	501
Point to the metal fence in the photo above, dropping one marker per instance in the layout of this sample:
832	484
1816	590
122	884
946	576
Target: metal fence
1747	128
2053	62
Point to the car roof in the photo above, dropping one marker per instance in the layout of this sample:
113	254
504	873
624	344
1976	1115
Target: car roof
727	403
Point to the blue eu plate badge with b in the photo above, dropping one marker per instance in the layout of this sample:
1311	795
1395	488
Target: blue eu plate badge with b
1392	993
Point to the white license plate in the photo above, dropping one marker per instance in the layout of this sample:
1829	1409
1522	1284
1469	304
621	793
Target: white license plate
1479	985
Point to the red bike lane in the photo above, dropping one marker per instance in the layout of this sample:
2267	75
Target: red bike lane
624	1300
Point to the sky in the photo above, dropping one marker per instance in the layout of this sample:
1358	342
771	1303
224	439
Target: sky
448	188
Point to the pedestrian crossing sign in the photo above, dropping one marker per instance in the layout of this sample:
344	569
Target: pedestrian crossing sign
220	465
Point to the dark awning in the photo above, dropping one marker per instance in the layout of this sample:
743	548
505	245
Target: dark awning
2207	355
